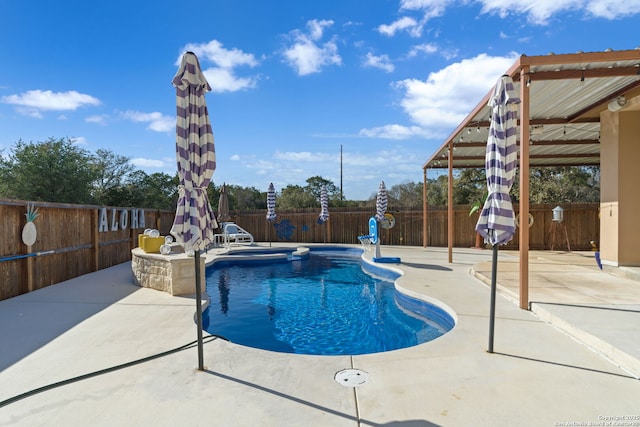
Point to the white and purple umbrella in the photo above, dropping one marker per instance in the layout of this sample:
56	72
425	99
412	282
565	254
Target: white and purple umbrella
381	202
324	210
381	209
271	206
497	223
195	154
271	203
324	206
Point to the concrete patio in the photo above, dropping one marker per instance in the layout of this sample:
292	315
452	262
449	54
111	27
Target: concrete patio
555	365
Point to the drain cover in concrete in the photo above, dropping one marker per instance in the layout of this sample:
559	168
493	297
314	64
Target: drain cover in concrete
351	377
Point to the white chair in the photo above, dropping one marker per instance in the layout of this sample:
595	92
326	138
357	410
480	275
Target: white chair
233	233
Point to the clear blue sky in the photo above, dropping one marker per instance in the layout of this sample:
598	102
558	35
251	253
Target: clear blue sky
292	81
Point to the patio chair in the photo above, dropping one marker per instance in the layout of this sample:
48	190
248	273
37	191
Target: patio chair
233	233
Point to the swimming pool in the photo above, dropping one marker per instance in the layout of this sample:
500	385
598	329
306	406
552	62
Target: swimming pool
323	304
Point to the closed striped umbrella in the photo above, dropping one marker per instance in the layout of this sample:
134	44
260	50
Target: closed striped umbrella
496	222
195	154
271	203
324	206
223	205
381	202
271	207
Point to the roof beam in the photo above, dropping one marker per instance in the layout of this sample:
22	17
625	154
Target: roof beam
476	165
579	58
576	74
538	142
536	122
575	117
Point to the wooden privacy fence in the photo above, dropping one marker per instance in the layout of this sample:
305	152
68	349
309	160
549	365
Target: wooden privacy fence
73	240
581	222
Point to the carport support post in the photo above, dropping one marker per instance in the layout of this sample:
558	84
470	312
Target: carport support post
492	308
524	188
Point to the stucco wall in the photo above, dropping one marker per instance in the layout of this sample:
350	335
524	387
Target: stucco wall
620	186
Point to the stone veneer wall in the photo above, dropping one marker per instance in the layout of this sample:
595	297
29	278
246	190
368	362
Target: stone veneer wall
173	273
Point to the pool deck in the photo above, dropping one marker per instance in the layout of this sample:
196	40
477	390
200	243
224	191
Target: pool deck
558	364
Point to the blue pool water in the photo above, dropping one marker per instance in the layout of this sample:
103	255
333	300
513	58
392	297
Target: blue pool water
324	304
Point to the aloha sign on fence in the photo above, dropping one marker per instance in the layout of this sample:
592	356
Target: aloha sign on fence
119	219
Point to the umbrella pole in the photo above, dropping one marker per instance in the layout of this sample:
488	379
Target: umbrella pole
492	310
199	311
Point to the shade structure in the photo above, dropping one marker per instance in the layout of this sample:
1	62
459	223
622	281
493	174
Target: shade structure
324	206
271	207
497	223
381	202
195	154
223	205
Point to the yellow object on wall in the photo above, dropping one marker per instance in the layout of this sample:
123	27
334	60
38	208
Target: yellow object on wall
151	244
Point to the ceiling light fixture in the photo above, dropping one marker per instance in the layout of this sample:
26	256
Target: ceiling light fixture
617	104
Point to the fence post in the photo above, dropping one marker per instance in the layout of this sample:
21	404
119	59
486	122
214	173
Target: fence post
30	267
95	240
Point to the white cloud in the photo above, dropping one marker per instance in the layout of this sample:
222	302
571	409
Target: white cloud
303	156
536	11
235	157
404	23
306	55
448	95
147	163
222	57
224	80
398	132
316	28
436	105
423	4
540	11
100	119
427	48
79	140
382	62
158	122
222	77
612	9
33	102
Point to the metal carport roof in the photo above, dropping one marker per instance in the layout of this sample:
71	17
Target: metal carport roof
567	93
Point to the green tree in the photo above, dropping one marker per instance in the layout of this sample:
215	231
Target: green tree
569	184
245	198
407	195
295	197
155	191
469	185
112	170
437	190
314	188
55	170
